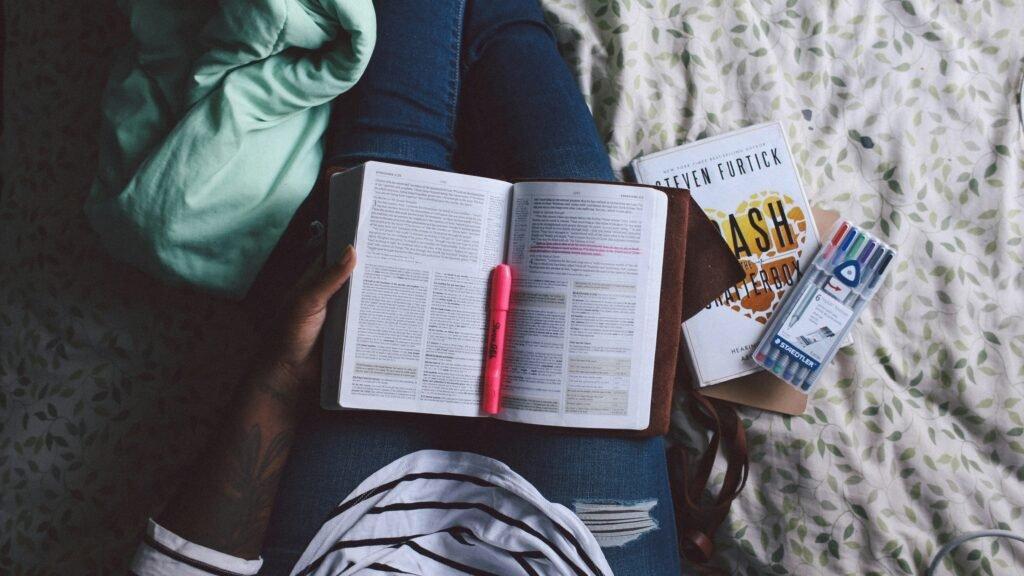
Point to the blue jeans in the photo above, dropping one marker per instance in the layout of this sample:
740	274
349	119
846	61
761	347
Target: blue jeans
334	452
476	86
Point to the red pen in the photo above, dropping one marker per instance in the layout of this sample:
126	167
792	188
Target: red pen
835	241
494	351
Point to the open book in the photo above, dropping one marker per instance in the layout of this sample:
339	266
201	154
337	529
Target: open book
407	331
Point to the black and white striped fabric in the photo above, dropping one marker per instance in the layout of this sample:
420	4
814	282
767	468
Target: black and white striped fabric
435	512
438	512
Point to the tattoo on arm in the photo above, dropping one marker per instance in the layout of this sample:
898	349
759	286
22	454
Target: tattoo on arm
287	397
246	493
227	500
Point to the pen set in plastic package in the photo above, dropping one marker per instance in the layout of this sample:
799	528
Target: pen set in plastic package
806	333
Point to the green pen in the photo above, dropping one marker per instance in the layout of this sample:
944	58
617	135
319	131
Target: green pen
855	249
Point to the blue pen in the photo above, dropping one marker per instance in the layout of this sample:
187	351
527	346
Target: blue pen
847	240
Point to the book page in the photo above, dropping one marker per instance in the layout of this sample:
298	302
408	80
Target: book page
414	335
586	260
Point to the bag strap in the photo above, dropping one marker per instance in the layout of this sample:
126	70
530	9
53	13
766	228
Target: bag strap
698	516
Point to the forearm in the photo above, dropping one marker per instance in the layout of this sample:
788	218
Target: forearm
226	501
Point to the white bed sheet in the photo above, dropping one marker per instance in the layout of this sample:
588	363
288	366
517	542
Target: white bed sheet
905	117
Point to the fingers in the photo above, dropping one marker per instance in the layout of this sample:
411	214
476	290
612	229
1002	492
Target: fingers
320	290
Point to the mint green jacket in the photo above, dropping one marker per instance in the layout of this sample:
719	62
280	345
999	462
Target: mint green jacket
212	125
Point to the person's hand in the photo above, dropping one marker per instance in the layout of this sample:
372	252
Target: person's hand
290	367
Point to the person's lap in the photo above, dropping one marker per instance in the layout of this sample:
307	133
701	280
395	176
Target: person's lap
335	452
479	86
581	470
331	455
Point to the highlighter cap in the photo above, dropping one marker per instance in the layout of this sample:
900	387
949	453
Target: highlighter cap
501	287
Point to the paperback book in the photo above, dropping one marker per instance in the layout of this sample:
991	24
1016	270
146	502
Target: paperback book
746	182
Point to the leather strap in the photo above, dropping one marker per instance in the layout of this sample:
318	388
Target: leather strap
698	514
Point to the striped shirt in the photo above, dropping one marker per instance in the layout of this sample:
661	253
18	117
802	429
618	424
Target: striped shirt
430	512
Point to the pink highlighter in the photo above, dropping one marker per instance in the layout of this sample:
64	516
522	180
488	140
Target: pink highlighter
494	351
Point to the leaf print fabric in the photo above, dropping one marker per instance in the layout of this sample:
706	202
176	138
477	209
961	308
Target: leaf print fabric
903	115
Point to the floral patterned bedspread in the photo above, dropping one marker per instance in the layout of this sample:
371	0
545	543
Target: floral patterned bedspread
904	115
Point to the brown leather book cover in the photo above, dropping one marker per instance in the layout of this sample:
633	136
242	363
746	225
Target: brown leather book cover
698	267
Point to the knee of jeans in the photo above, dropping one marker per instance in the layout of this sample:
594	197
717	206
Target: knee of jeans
616	522
516	20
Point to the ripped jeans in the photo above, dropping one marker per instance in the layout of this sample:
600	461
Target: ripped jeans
618	486
476	86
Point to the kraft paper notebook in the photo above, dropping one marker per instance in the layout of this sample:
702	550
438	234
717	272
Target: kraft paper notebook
600	292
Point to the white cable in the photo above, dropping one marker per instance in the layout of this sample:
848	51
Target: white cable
945	550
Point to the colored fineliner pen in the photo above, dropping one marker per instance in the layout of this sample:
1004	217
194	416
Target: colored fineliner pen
855	249
871	271
772	356
866	252
785	366
881	269
494	349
